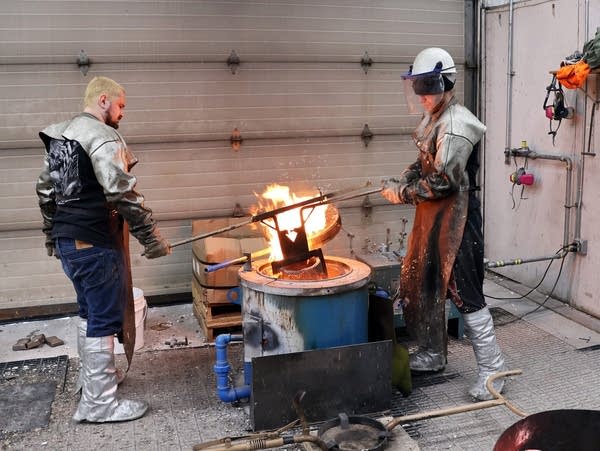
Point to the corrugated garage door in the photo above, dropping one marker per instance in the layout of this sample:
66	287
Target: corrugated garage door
300	98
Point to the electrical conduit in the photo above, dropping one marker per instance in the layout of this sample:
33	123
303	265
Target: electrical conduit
225	391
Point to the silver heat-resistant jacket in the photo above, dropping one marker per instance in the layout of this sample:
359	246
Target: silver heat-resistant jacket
112	162
445	144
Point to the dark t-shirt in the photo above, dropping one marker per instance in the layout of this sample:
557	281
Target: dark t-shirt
82	211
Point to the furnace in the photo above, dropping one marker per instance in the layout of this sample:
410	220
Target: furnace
305	323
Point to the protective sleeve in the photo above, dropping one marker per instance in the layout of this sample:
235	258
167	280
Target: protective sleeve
449	174
111	163
47	202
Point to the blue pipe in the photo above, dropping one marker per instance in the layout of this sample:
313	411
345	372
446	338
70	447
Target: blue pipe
226	392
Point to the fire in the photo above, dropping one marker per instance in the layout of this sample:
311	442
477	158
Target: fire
277	196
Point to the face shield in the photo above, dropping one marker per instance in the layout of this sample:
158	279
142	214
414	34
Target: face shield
423	91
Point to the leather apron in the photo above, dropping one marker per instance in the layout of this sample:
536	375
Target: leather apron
431	252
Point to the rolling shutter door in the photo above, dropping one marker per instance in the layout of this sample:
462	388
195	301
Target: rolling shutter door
299	97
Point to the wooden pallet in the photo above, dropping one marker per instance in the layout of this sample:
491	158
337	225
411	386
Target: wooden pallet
230	322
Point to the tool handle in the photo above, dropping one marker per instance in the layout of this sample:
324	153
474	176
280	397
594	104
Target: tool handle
225	264
207	234
237	261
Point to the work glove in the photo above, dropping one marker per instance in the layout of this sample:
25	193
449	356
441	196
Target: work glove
158	247
391	190
50	247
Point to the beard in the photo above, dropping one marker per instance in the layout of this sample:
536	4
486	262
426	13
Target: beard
112	123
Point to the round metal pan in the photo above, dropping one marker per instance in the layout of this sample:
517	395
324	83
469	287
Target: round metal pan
351	433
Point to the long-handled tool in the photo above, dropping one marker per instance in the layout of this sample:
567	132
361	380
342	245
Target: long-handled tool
256	442
322	199
498	400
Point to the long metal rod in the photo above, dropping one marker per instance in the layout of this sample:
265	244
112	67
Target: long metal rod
253	444
214	232
337	196
498	401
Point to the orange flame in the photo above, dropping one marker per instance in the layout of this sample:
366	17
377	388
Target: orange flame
277	196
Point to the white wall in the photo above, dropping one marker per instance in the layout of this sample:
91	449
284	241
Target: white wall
544	33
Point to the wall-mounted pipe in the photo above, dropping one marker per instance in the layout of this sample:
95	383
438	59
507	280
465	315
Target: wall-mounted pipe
567	246
509	81
526	152
226	392
520	261
584	153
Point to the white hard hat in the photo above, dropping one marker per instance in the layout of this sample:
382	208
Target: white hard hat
433	59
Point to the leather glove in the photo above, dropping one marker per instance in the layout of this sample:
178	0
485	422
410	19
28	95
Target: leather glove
391	190
50	248
158	247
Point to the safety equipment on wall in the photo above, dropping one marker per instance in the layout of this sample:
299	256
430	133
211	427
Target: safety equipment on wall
521	177
573	76
559	109
432	72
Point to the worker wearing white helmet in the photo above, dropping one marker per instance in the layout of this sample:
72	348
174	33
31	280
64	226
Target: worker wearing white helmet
444	257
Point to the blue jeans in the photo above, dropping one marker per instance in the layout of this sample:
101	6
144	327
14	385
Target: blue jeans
99	278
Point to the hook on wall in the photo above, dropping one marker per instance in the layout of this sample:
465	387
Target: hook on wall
233	61
83	62
236	139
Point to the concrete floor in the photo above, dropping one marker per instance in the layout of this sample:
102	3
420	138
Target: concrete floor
558	353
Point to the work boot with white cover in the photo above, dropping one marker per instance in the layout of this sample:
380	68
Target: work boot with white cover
99	402
479	328
426	360
81	335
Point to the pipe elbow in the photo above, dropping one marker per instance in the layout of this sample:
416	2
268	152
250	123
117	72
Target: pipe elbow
232	394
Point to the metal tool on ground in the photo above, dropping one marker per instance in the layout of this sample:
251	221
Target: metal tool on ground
360	432
498	400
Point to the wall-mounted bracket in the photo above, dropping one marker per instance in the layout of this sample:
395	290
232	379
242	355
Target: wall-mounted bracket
366	135
233	61
83	62
581	246
366	62
367	211
236	139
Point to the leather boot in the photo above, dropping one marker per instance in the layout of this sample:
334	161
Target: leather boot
81	335
99	402
479	328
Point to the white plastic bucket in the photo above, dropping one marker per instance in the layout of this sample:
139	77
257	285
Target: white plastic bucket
141	310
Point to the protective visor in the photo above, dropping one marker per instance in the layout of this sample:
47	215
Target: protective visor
430	84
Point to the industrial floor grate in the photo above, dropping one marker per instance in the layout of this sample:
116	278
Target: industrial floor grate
51	368
502	317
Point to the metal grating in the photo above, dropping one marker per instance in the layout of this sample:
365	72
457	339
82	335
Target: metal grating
42	369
